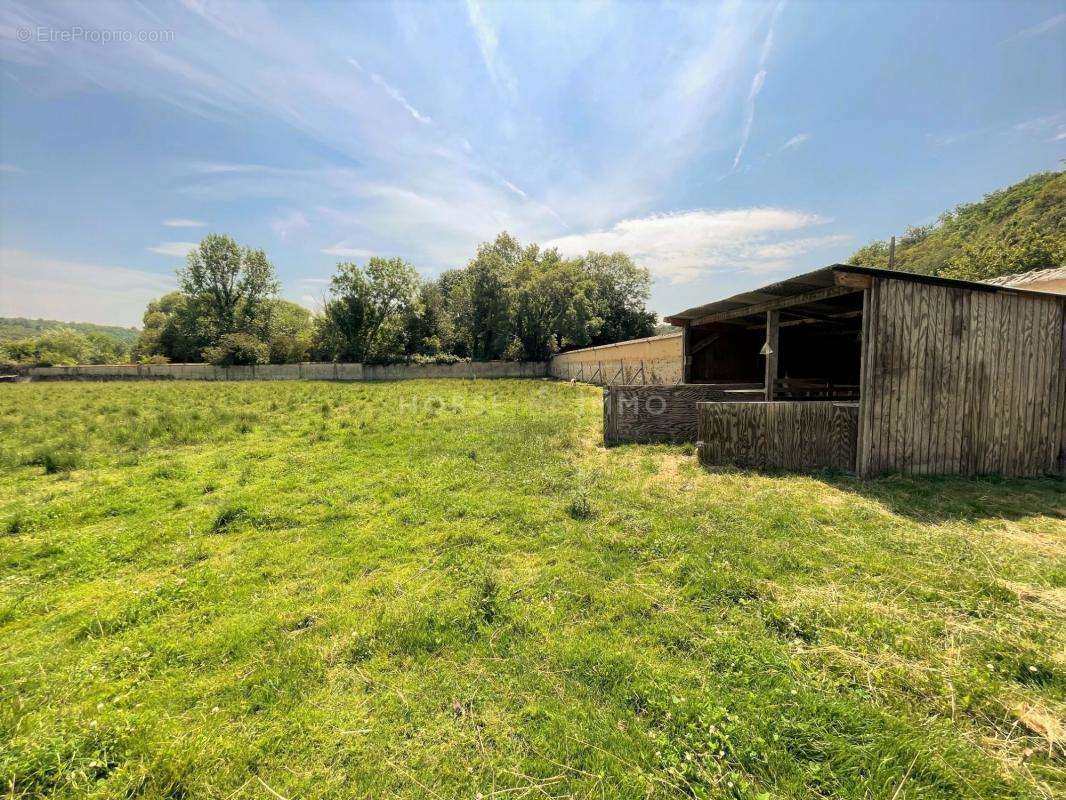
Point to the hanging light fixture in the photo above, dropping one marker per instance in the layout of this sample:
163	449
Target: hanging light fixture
766	350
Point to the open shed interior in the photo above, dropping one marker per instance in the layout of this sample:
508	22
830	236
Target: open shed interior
810	351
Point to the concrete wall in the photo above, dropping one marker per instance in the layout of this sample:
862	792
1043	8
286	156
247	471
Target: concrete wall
291	372
653	361
462	369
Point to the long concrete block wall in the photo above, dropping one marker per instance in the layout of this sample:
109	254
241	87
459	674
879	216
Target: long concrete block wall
291	372
652	361
462	369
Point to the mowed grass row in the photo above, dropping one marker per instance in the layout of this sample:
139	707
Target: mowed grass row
447	589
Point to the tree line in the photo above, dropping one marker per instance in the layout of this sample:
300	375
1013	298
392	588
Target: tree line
509	302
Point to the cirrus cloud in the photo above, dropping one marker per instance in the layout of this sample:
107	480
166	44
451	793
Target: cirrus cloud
176	249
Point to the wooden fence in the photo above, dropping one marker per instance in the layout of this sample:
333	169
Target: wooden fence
778	435
648	414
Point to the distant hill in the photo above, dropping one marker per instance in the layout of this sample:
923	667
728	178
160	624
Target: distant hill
1016	229
21	328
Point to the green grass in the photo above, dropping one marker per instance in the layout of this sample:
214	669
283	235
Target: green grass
449	590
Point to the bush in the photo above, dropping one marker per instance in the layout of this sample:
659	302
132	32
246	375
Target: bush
238	349
55	459
439	358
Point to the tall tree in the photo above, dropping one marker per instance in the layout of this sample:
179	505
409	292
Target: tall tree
429	329
230	284
620	290
365	315
289	332
488	279
173	329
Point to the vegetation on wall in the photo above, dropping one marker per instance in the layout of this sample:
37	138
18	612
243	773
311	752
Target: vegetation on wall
1017	229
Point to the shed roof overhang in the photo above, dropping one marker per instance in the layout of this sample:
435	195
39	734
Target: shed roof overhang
814	287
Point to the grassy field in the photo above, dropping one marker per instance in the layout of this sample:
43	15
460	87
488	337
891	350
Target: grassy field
442	589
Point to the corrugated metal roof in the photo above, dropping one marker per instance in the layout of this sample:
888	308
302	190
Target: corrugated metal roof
824	278
1026	279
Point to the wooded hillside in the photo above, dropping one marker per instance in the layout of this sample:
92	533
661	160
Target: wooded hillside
22	328
1016	229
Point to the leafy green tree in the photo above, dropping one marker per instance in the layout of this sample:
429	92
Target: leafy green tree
874	254
174	328
229	284
238	349
1006	254
551	304
364	317
64	346
620	291
429	328
455	294
290	333
106	349
487	313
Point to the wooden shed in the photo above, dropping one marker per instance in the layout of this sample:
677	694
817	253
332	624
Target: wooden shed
910	373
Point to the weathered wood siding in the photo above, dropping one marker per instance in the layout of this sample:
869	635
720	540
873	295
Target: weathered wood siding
647	414
778	435
961	381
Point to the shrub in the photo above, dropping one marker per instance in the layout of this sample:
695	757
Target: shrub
238	349
228	517
580	507
439	358
55	460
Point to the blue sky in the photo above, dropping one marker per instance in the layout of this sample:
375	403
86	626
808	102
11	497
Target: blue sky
721	145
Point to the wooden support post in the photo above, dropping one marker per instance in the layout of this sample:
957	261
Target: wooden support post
773	319
686	354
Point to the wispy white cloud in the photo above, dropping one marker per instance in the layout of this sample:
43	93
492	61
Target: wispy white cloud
184	223
176	249
488	43
289	224
394	93
1047	26
757	83
795	141
11	169
33	285
344	250
425	163
1049	128
681	247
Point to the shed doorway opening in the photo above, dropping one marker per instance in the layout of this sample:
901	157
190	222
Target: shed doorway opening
810	351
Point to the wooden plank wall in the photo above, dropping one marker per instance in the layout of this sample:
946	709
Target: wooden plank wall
778	435
957	381
648	414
